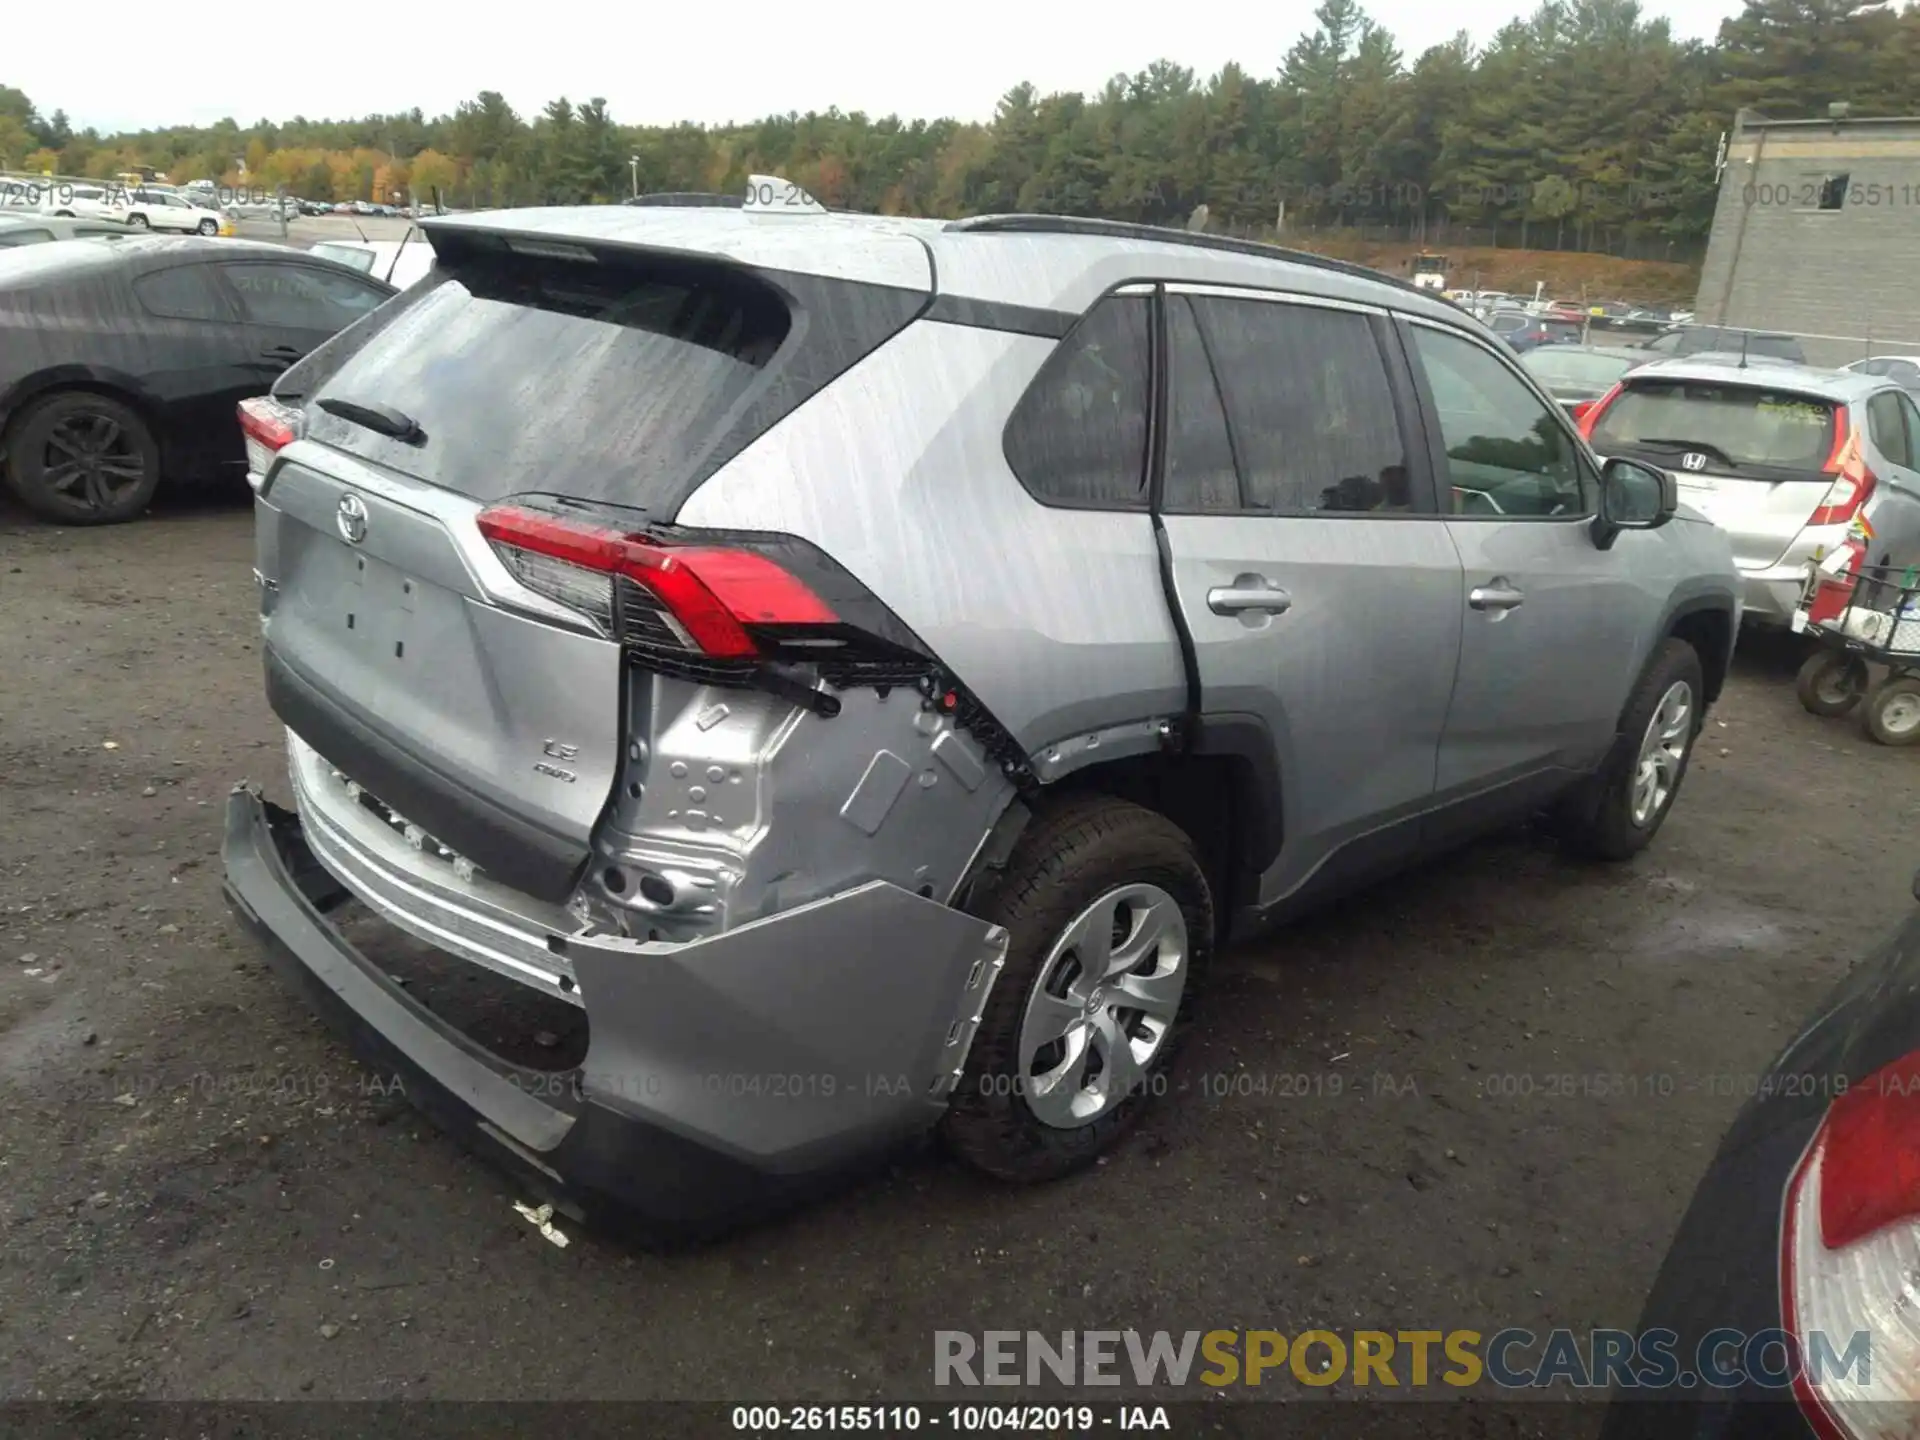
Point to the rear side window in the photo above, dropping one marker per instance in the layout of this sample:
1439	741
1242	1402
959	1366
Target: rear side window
1738	426
24	237
626	381
185	292
1079	434
1308	406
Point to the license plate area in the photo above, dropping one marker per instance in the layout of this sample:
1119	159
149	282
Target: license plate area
378	604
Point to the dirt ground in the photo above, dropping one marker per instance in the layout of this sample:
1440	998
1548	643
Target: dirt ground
202	1198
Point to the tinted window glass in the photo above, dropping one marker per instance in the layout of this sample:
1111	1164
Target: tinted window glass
608	382
1507	453
300	297
1200	469
1735	426
186	292
1887	427
14	236
1308	407
1079	434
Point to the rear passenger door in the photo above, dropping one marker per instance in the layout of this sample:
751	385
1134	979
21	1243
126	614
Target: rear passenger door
1318	584
1555	628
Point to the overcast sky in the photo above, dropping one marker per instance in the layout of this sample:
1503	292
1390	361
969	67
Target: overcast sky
655	63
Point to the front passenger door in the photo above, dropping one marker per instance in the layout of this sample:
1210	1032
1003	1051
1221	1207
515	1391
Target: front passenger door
1556	629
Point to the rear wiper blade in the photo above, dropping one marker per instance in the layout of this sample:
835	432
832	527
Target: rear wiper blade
1696	445
381	419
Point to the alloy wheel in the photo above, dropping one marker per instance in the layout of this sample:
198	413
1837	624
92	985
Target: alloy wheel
92	459
1663	750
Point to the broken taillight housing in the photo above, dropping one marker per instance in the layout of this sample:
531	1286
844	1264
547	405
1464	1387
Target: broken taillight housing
1849	1248
1853	482
691	597
268	427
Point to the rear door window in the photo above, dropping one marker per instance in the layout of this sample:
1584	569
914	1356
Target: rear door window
1079	434
1309	408
1738	429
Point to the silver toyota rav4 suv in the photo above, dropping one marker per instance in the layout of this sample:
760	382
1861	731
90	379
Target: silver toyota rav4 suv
870	665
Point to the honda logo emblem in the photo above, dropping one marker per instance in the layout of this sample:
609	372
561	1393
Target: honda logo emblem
352	518
1694	461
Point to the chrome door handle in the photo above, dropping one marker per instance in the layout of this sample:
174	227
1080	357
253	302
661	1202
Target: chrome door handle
1248	593
1497	596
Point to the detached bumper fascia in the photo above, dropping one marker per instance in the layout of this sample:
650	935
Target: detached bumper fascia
724	1079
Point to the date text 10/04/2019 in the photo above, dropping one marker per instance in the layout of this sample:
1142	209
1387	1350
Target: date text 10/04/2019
961	1419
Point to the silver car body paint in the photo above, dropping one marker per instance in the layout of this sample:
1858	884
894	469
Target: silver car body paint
756	888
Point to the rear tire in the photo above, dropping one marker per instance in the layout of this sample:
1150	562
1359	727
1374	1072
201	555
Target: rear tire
1831	682
1616	814
1891	714
1103	901
78	458
209	227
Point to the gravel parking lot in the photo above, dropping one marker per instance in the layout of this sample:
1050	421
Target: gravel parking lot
205	1197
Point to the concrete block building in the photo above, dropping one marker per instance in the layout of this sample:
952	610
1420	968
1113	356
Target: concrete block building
1817	232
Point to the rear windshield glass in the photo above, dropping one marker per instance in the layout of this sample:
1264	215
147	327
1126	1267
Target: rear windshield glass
1733	425
599	381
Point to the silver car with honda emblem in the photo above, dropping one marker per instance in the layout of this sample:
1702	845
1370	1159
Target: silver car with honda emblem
869	665
1787	459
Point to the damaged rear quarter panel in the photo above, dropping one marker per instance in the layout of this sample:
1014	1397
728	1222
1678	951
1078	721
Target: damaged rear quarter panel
748	805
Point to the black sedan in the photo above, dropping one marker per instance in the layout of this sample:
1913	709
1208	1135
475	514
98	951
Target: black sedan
1789	1296
121	361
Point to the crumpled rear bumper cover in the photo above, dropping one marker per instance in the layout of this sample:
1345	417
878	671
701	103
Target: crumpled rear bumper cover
724	1079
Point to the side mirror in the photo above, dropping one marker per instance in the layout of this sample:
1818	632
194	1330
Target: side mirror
1633	497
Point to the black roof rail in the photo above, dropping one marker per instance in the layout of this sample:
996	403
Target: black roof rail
1128	230
703	199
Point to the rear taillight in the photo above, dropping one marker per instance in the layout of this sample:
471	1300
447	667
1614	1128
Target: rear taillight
1588	412
693	598
1853	482
1849	1248
268	428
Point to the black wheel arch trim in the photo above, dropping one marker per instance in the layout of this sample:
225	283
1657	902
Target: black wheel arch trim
1701	597
113	383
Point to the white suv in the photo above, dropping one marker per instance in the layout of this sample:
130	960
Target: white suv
159	210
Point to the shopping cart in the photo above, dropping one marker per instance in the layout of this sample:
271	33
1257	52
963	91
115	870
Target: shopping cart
1862	614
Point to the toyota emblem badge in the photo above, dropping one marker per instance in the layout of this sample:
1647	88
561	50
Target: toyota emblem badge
352	518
